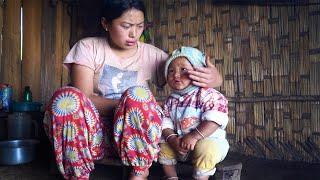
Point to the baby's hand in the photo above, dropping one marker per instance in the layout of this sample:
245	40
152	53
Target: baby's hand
175	144
188	142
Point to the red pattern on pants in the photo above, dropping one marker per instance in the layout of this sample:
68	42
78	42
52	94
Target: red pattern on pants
137	128
77	132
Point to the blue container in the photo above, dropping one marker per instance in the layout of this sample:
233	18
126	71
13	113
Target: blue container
26	106
5	99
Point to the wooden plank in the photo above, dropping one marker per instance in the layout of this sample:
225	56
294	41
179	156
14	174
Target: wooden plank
31	56
1	27
49	79
66	24
11	59
55	46
58	47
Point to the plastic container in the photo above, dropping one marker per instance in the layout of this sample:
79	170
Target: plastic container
26	106
5	98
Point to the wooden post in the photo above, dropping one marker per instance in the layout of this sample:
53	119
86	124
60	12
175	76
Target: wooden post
1	27
49	77
58	47
31	55
66	28
54	47
11	48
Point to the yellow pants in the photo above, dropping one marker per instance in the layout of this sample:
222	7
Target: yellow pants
206	154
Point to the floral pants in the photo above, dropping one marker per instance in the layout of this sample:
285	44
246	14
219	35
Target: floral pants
77	133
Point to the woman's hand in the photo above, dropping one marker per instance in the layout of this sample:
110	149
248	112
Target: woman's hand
206	76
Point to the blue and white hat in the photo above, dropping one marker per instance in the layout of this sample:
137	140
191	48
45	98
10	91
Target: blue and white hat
194	56
196	59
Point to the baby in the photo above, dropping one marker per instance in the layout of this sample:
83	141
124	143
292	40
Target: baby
195	119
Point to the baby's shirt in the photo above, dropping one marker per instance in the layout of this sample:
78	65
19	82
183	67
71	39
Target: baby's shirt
184	113
112	74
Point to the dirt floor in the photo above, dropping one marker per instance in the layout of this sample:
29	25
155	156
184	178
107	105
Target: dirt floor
253	169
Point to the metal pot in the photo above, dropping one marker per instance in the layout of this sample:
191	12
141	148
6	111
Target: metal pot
20	126
3	125
17	151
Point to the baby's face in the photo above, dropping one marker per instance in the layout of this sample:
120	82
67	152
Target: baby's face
178	78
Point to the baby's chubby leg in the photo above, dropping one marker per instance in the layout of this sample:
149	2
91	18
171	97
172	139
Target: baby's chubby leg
207	153
143	176
167	157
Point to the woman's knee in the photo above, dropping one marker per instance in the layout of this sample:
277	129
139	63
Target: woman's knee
142	89
68	90
139	94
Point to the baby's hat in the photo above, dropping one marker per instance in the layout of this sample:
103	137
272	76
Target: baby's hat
194	56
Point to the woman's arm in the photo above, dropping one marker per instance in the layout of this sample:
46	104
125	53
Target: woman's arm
206	76
82	78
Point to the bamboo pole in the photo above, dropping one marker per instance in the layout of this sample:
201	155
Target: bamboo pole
171	26
184	22
209	41
164	26
193	23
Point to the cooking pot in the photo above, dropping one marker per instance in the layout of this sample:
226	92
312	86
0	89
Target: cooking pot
21	126
3	125
17	151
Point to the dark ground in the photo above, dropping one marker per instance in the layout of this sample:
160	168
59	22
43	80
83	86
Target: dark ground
253	169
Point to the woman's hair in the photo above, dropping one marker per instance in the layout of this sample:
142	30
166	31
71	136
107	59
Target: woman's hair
112	9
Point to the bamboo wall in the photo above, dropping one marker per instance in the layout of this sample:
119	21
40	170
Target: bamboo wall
269	57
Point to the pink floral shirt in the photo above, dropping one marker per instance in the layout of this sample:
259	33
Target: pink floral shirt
184	113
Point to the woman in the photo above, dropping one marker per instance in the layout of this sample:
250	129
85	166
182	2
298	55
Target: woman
109	72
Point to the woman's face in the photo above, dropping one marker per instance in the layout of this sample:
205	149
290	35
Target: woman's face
126	30
178	78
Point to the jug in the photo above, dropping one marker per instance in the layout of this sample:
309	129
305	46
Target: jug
20	126
5	97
